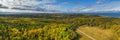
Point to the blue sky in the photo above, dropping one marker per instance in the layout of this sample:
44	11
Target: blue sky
59	5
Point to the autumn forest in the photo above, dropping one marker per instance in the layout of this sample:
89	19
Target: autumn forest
58	27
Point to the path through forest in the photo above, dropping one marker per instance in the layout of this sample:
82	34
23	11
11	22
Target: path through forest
84	34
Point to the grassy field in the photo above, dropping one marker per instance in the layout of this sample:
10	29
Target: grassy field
97	33
58	27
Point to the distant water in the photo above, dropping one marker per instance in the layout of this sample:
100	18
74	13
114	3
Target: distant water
114	15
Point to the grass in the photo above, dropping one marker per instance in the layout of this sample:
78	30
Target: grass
97	33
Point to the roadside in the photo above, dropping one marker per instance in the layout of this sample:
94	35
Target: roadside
95	33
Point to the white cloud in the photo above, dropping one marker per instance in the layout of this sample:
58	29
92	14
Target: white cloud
18	3
28	4
59	7
100	1
112	6
48	6
27	11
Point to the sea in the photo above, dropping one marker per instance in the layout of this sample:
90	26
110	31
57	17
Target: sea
113	15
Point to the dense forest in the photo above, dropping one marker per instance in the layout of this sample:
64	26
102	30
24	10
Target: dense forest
58	27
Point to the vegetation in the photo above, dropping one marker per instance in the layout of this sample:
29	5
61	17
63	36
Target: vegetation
97	33
58	27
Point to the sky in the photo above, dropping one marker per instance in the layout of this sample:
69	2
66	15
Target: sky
59	5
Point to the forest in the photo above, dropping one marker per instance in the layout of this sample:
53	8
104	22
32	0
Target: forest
58	27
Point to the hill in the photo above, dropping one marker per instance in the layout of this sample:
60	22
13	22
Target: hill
57	27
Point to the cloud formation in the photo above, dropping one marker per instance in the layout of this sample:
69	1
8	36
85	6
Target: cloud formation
100	1
112	6
18	3
53	6
35	5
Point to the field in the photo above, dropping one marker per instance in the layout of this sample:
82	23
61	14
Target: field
58	27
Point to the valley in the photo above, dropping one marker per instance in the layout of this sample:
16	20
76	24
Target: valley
58	27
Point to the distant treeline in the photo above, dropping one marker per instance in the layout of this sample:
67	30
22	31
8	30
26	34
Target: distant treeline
44	15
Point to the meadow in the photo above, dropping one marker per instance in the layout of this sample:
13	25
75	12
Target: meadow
58	27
